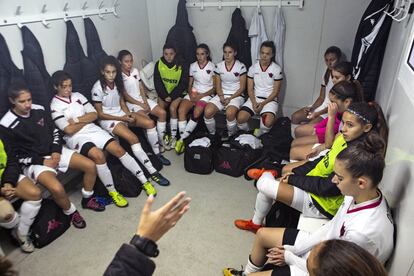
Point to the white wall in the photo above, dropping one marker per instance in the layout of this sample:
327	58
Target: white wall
320	24
395	96
129	31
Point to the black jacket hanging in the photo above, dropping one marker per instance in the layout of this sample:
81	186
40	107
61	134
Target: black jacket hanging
95	50
181	35
239	36
84	72
36	76
8	73
369	47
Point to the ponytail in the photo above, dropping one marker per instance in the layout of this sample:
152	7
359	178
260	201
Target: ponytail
347	90
365	158
205	48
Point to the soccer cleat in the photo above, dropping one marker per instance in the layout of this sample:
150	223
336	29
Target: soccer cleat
93	204
167	142
179	146
163	160
118	199
232	272
77	220
257	173
149	189
25	243
247	225
159	179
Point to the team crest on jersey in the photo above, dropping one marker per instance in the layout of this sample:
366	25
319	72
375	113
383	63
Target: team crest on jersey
53	111
271	75
95	94
208	71
77	147
236	74
135	76
41	122
112	125
79	101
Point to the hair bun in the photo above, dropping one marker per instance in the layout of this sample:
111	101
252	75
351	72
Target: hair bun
373	143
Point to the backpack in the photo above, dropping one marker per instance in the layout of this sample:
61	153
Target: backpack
276	143
198	159
233	158
49	224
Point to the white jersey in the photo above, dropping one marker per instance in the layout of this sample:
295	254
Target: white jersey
203	77
230	77
109	97
264	78
368	224
63	109
131	83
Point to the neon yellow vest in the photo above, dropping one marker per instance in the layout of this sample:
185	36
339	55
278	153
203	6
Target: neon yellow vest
170	76
3	159
323	169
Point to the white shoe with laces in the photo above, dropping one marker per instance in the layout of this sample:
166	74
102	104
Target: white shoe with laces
25	243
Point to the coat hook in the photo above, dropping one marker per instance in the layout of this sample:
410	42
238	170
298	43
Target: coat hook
84	7
280	4
20	25
65	14
45	23
220	5
239	4
99	8
202	5
115	5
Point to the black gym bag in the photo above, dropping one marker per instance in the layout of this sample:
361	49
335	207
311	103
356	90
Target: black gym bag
200	159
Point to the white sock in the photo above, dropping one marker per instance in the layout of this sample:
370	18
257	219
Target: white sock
268	188
28	212
161	127
86	194
71	210
143	157
251	268
211	125
263	129
105	176
153	139
133	167
231	127
191	125
243	126
174	126
12	223
182	125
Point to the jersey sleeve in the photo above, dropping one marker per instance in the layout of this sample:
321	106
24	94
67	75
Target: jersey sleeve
243	69
86	104
12	170
250	73
277	74
217	69
292	259
97	93
192	70
58	117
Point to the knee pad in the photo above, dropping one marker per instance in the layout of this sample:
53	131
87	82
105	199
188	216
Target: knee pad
268	185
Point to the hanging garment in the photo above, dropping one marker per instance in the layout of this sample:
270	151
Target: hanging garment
8	73
35	74
239	36
278	36
95	51
369	46
257	34
84	71
181	35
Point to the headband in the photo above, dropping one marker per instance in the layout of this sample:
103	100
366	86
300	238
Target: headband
359	116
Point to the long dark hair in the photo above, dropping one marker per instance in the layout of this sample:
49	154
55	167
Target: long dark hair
123	53
205	48
348	90
370	113
338	53
365	158
111	60
344	258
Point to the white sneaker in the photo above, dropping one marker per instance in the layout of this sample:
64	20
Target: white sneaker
26	244
166	142
173	142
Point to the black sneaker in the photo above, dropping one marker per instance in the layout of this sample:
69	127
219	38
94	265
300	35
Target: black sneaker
77	220
93	204
163	160
231	271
